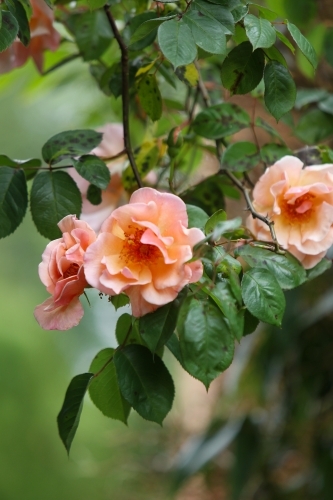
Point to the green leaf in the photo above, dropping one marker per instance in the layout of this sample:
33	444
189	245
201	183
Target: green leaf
314	126
285	40
206	343
274	54
322	266
157	327
94	195
8	31
242	70
132	26
96	4
5	161
196	216
19	12
146	28
219	216
240	157
125	332
218	13
119	301
208	194
174	347
286	268
239	12
259	122
104	389
223	297
263	296
309	96
144	382
70	413
259	31
250	323
70	143
146	158
207	32
266	13
326	105
227	4
13	199
220	121
177	43
92	33
280	89
150	96
303	44
223	228
94	170
53	196
272	152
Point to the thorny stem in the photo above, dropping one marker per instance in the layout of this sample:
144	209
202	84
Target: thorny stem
125	94
245	191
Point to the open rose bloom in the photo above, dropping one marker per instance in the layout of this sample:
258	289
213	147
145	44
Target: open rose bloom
300	202
61	271
42	37
143	249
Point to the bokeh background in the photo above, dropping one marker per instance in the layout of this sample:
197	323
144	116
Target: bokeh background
263	432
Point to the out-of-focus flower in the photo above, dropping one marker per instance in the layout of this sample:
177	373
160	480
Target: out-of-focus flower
300	202
61	271
114	195
43	37
144	249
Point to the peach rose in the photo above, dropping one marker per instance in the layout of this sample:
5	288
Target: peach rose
61	271
114	195
300	202
144	249
42	37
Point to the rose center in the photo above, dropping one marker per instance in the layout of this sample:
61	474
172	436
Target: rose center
134	251
72	270
300	211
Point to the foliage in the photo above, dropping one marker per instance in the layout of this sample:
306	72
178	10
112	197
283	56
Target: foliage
202	53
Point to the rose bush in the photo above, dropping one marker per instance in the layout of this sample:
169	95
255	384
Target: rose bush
300	202
61	271
144	249
43	36
114	195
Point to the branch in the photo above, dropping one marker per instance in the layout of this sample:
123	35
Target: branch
64	61
125	94
234	180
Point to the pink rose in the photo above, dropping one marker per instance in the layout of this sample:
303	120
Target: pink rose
43	37
300	202
61	271
114	195
144	249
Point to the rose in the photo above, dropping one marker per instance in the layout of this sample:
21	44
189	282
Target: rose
42	36
61	271
144	249
300	202
114	195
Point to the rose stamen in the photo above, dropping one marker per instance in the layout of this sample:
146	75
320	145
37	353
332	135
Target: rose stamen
299	212
134	251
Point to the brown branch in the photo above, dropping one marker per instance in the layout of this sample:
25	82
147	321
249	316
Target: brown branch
125	94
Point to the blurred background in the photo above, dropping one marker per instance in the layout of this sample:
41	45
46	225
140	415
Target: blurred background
264	431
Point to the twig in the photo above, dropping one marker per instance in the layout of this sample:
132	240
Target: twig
125	94
234	180
61	63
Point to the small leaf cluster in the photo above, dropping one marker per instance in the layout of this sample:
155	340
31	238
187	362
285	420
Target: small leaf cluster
54	194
